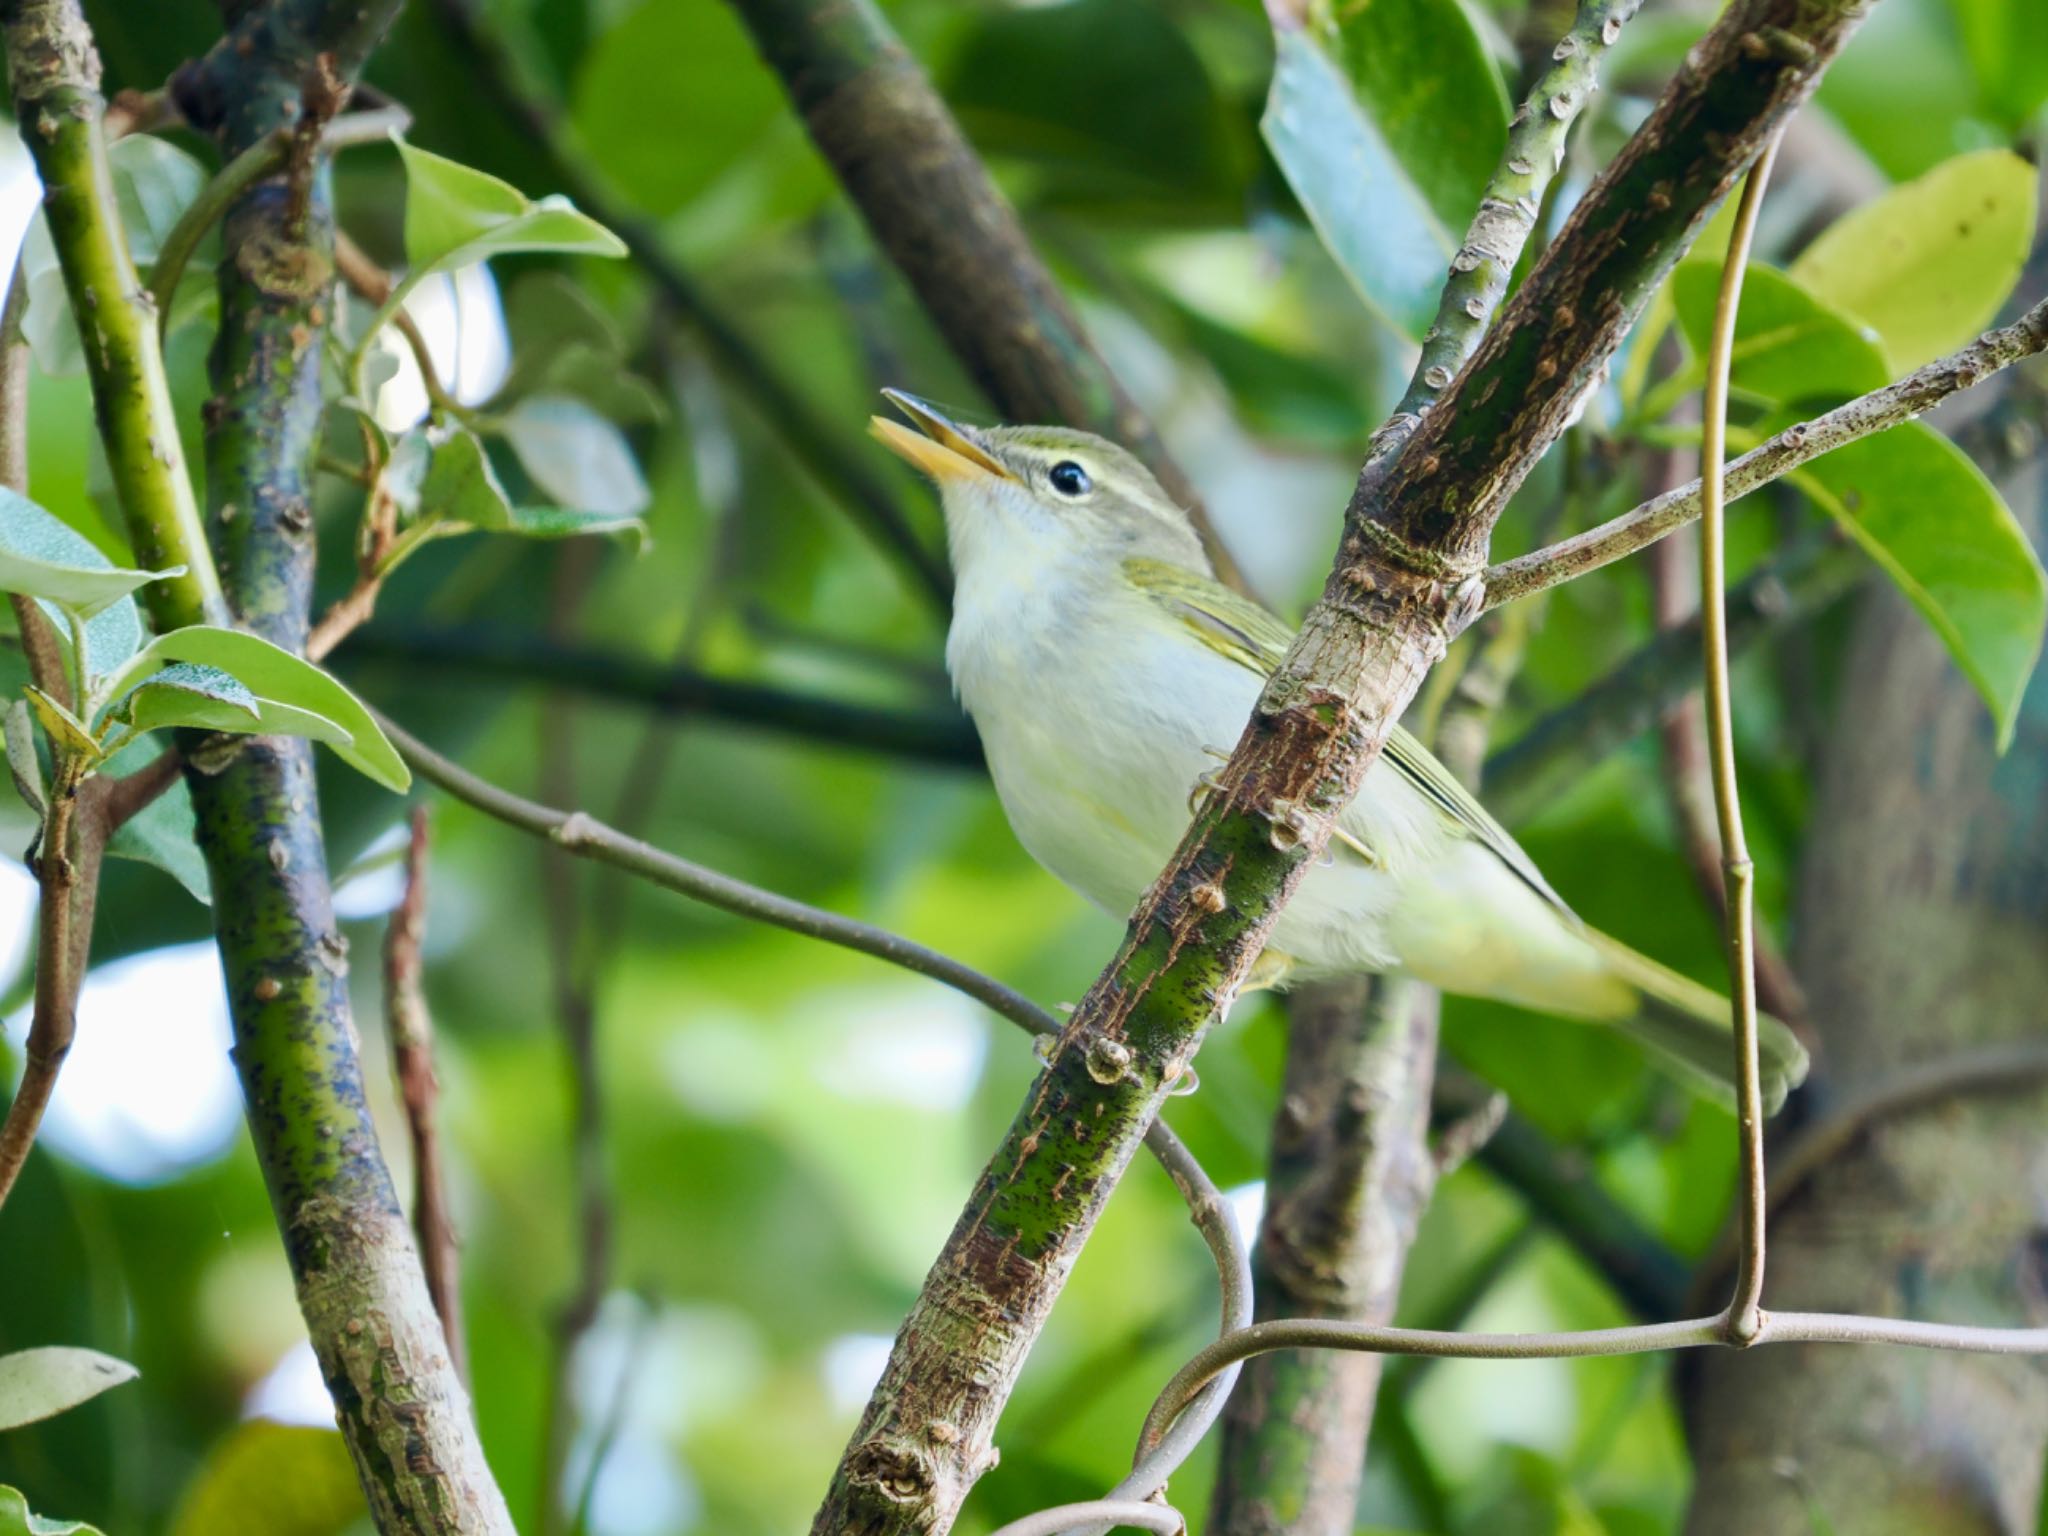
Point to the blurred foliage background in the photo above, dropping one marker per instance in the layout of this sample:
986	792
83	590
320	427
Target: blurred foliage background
788	1131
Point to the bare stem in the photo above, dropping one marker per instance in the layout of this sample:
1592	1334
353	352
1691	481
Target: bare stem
412	1061
1745	1308
1918	392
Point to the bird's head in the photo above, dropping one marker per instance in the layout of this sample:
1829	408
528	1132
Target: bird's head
1043	489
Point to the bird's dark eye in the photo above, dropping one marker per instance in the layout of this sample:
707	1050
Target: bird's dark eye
1070	479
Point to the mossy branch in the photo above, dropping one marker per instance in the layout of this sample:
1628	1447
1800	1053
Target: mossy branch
1405	580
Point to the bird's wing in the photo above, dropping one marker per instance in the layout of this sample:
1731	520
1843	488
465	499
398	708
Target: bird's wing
1236	627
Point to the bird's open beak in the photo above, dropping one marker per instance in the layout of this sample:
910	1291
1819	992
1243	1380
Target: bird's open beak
937	447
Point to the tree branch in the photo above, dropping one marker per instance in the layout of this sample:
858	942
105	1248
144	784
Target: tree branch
1918	392
521	657
932	206
402	1410
1415	541
411	1026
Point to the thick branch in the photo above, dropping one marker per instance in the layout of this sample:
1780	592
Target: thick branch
1918	392
401	1409
1416	536
932	206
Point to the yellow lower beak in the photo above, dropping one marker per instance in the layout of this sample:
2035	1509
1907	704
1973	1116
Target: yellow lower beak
938	448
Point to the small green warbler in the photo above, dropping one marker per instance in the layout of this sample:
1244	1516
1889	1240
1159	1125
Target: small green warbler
1108	671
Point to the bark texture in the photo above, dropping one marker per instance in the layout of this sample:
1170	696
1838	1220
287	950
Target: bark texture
1924	932
1404	581
1350	1176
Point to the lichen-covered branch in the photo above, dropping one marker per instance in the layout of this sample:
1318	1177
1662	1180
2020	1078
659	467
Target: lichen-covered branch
1405	579
933	207
401	1409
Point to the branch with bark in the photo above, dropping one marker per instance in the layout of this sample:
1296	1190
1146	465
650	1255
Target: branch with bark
931	204
401	1407
1405	580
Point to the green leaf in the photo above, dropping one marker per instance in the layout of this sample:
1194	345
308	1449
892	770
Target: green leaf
1940	530
23	765
15	1519
42	557
1376	224
455	215
267	1479
1422	72
1929	263
444	479
65	730
164	833
2008	48
1789	345
283	681
580	459
185	694
39	1383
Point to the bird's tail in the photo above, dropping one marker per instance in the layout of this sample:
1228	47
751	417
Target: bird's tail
1690	1027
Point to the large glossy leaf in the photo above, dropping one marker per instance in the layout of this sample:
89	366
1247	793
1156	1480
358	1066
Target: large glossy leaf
274	675
41	556
1940	530
455	214
1375	222
16	1520
1424	75
1789	345
39	1383
1928	264
267	1479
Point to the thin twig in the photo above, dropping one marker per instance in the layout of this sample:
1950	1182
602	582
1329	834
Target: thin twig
1745	1307
1102	1514
412	1061
588	838
372	283
1580	1344
1920	391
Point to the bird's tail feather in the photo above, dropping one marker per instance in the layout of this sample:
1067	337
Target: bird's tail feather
1690	1027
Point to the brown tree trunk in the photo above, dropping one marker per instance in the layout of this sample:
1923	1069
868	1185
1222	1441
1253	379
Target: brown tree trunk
1924	932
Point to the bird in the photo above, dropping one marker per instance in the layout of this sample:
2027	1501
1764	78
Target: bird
1107	670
